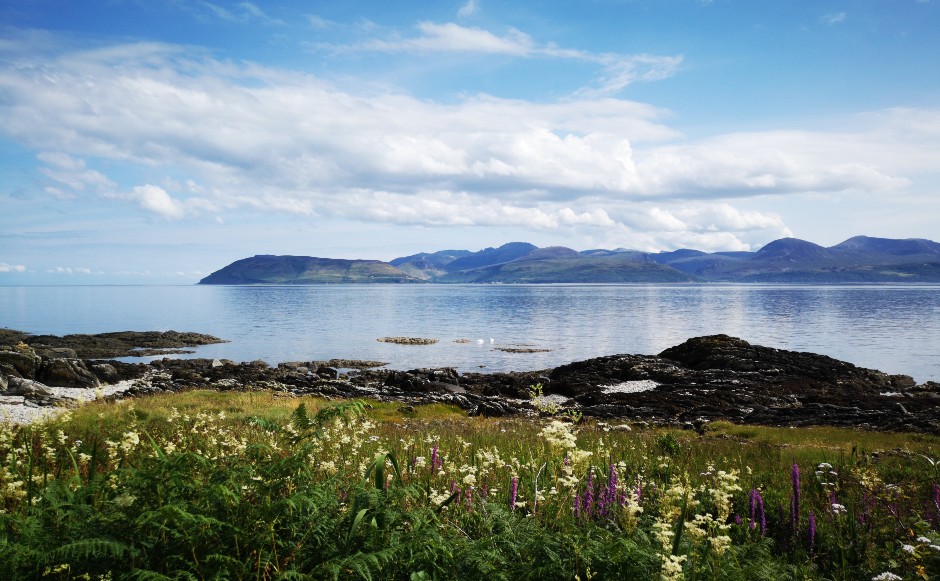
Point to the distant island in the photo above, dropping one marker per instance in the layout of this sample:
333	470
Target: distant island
861	259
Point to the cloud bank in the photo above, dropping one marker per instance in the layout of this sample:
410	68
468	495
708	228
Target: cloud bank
180	135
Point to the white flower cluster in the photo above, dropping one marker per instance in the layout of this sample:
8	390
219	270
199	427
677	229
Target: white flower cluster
558	434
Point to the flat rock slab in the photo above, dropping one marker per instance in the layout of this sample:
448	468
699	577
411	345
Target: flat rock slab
407	340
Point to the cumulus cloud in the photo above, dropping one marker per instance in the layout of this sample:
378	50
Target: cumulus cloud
5	267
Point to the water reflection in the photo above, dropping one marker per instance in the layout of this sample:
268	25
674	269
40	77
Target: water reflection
896	328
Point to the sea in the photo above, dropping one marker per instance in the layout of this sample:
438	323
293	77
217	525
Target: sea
489	328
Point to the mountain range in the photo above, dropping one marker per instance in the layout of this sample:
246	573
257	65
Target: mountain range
790	260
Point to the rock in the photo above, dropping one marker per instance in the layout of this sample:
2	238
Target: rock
493	409
27	388
407	340
24	361
4	383
902	382
56	352
105	372
66	373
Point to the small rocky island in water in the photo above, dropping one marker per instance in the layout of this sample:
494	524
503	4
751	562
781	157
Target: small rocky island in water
701	380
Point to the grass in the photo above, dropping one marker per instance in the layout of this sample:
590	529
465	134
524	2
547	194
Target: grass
260	485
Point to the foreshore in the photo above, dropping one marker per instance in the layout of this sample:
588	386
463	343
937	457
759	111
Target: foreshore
701	380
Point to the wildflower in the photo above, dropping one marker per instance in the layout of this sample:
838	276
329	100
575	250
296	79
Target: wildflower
908	549
757	511
838	509
514	489
124	500
436	461
672	567
886	576
610	494
795	499
812	532
129	441
438	498
558	434
587	502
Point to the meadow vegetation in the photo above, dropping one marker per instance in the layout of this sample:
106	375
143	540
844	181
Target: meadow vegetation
256	485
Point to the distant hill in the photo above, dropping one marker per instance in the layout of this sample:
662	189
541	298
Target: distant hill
269	269
428	265
491	256
571	269
788	260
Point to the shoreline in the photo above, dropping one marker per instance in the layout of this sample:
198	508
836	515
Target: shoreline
704	379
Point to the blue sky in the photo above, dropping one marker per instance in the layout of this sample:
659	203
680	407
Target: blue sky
152	142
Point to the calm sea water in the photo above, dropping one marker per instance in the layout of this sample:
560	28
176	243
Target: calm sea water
892	328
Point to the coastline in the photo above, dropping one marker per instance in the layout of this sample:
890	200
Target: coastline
701	380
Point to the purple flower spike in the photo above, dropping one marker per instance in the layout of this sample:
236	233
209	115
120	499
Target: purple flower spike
812	532
756	505
513	491
795	499
587	503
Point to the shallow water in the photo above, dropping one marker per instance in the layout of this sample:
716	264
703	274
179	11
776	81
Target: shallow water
892	328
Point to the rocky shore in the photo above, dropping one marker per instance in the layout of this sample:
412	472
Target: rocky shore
702	380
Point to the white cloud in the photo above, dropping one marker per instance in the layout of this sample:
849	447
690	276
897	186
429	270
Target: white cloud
243	137
467	9
319	22
834	18
71	172
620	71
246	11
4	267
68	270
451	37
158	201
616	71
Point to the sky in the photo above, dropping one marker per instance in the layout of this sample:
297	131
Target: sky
156	141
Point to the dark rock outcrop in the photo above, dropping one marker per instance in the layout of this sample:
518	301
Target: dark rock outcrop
19	362
722	377
108	345
66	373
